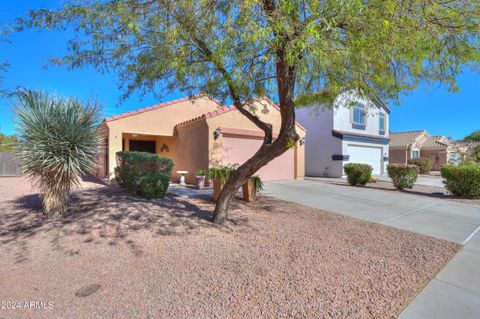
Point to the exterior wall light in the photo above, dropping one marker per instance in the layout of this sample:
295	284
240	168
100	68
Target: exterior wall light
216	133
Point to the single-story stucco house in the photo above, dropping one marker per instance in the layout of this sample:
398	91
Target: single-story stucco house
198	133
414	144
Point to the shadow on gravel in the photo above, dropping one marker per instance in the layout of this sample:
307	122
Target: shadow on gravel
106	214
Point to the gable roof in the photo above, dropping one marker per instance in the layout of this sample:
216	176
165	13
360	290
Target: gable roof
405	139
436	143
157	106
226	109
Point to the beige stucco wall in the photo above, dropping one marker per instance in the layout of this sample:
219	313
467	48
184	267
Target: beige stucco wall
235	119
191	149
101	168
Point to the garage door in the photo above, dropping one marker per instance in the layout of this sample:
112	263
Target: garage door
238	149
366	155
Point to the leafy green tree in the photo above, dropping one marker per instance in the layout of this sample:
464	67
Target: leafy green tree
7	142
473	137
58	143
297	52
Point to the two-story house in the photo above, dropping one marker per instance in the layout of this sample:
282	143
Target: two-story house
355	130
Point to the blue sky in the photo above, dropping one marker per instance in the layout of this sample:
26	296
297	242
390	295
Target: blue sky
432	108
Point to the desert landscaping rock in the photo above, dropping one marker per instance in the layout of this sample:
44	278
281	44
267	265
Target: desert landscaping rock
165	259
87	290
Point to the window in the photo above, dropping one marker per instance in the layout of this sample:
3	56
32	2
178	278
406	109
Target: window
381	124
415	154
359	114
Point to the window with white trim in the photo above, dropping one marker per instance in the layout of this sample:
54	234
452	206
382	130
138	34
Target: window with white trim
415	154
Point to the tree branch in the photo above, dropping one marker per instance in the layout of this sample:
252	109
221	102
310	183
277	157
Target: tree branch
237	102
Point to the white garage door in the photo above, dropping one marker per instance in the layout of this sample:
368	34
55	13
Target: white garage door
238	149
366	155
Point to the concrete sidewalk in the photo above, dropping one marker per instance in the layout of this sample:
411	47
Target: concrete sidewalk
455	291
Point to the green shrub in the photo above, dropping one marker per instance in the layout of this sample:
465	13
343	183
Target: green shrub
358	173
154	185
146	162
201	172
462	180
403	175
424	164
133	167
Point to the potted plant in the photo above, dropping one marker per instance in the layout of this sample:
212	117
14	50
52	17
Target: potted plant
200	176
219	176
253	185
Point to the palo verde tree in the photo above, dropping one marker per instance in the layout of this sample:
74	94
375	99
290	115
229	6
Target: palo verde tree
297	52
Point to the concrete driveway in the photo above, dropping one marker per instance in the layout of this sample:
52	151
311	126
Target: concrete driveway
435	217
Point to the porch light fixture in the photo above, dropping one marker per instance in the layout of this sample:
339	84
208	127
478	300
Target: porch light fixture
302	141
216	133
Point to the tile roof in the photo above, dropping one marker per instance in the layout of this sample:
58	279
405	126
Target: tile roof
154	107
404	139
218	111
468	143
436	142
226	109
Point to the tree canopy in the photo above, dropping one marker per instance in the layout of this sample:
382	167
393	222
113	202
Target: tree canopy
381	47
297	52
7	142
473	137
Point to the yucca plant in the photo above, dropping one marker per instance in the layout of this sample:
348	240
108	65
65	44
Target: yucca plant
58	143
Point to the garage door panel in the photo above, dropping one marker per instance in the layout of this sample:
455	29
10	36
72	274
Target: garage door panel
366	155
237	150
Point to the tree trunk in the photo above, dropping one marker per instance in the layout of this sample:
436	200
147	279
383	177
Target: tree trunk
265	154
288	136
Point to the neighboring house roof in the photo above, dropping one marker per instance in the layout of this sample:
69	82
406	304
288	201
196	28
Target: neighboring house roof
436	143
403	140
467	144
156	106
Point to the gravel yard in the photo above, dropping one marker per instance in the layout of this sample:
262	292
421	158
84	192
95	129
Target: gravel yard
164	259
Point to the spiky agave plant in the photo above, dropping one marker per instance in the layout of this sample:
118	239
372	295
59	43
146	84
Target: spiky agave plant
58	143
